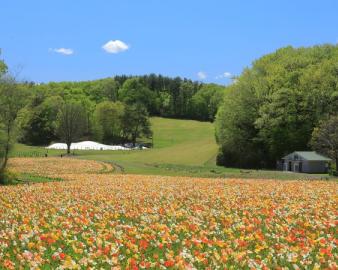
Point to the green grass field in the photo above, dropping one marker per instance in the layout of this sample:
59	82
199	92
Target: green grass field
181	147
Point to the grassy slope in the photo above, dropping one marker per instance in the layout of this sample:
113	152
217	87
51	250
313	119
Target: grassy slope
183	142
181	147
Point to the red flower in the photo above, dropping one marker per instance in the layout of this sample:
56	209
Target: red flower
169	263
106	250
144	244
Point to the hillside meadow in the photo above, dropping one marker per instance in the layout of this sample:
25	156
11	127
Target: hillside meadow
181	148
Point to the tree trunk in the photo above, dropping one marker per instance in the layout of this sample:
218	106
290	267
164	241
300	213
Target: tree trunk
68	148
5	158
2	176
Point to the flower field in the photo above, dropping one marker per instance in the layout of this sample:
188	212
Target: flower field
55	167
105	221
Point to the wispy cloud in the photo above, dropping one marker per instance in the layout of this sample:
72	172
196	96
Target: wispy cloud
115	46
64	51
202	75
226	74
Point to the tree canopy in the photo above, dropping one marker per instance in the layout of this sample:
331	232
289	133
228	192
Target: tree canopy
12	99
108	121
274	106
325	138
71	121
158	95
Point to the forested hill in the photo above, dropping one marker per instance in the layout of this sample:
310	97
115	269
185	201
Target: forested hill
163	96
276	107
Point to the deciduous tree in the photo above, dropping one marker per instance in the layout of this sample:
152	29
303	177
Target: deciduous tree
135	123
107	121
134	91
71	123
325	138
273	107
11	102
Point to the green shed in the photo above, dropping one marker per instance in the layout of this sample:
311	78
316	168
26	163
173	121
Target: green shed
306	161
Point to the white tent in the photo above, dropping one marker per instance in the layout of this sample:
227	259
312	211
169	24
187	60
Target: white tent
86	145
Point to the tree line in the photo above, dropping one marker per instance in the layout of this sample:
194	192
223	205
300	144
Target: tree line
286	101
109	106
113	110
163	96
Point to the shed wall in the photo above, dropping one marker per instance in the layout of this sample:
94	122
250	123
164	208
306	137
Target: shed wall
307	166
314	166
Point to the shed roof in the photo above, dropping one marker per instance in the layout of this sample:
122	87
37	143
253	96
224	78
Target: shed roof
309	155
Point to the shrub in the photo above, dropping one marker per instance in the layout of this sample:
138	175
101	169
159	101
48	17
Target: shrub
8	178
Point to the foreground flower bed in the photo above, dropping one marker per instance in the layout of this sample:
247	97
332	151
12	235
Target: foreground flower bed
56	166
138	222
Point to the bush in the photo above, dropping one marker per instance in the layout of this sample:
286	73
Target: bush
333	172
8	178
220	159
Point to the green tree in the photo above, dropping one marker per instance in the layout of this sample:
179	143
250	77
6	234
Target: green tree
205	103
110	89
38	123
11	102
235	126
284	123
107	121
183	102
89	108
135	123
274	106
3	66
71	123
163	103
325	138
134	91
163	96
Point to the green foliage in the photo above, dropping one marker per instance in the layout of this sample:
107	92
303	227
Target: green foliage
205	103
135	123
71	122
325	138
12	98
274	106
3	66
107	118
134	91
8	177
38	123
235	128
161	95
110	89
181	148
2	141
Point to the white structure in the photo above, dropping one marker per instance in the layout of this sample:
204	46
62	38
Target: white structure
86	145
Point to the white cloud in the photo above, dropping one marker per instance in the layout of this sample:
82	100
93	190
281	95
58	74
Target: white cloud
226	74
115	46
202	75
63	51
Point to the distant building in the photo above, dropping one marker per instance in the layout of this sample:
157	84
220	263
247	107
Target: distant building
306	162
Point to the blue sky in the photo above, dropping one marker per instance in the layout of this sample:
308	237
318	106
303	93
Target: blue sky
202	40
